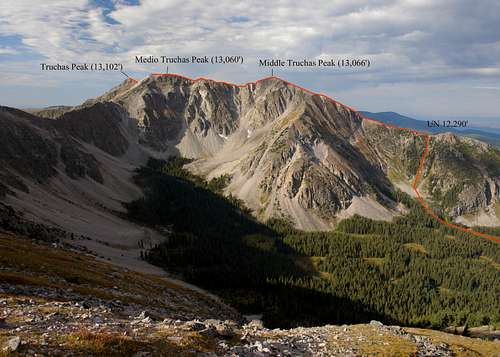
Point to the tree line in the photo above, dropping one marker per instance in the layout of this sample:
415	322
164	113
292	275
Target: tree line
411	271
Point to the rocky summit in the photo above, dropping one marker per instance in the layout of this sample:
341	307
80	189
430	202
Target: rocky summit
216	184
289	153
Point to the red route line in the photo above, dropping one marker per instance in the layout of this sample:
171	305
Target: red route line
415	132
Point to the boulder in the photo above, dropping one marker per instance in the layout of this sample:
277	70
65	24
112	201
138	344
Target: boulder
12	344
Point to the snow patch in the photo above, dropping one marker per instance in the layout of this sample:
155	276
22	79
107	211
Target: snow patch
320	151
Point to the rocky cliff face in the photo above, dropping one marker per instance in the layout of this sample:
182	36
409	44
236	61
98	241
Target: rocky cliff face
473	174
461	175
290	154
35	148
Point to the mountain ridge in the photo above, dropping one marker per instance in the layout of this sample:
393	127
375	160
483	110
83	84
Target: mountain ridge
211	121
483	134
79	173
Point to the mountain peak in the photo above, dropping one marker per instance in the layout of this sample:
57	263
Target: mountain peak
291	153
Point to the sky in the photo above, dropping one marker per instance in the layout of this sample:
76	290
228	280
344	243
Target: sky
429	58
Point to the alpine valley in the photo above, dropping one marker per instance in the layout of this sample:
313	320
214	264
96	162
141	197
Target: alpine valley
280	207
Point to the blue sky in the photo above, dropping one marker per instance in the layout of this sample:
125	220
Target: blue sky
429	58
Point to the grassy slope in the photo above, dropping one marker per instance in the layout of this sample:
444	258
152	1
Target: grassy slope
24	263
29	263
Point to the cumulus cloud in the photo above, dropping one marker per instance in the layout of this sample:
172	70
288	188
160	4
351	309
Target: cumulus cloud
407	41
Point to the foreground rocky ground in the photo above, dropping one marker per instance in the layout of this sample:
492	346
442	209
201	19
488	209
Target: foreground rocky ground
91	326
59	302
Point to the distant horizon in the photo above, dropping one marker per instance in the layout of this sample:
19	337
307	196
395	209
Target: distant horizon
485	122
491	122
430	59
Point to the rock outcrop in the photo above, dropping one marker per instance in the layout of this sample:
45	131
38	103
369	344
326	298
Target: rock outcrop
290	153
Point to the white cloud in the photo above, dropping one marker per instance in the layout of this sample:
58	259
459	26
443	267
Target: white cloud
62	30
5	50
406	40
